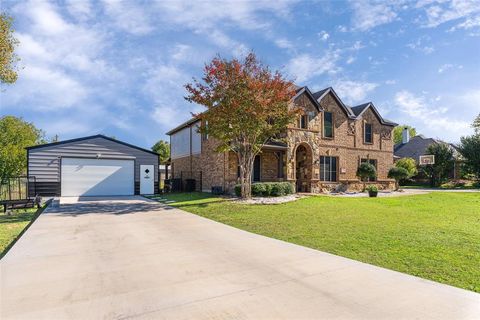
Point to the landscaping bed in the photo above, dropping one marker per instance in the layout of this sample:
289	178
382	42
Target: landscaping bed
434	236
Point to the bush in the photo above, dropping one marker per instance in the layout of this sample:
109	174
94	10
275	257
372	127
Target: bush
238	190
268	189
372	188
397	173
408	164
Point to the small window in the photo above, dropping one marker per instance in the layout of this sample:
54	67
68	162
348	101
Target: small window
304	122
328	125
328	169
368	133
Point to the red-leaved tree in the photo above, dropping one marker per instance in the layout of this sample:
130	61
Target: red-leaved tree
247	105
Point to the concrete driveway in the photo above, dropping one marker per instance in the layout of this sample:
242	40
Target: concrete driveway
133	258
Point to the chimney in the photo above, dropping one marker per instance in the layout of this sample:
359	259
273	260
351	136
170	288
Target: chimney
405	135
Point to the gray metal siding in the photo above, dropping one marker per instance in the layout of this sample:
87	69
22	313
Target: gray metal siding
44	162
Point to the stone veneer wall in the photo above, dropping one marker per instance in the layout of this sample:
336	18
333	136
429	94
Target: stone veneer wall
347	145
220	169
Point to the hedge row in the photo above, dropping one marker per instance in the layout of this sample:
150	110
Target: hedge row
269	189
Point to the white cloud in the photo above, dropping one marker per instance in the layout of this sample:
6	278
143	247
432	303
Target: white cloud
354	91
323	35
420	46
305	66
79	9
370	14
431	115
284	43
342	28
439	12
391	81
128	16
350	60
445	67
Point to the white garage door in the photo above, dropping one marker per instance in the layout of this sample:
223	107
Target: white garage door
97	177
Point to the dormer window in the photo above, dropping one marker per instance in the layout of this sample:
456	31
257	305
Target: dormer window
327	124
368	133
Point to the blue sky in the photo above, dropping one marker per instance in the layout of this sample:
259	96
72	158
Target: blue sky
118	68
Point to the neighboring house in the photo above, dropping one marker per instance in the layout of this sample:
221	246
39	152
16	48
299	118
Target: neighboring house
418	145
321	150
92	166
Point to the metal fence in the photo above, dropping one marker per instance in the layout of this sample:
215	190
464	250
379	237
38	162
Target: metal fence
187	181
17	188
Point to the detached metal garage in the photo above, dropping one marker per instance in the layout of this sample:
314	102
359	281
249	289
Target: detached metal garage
92	166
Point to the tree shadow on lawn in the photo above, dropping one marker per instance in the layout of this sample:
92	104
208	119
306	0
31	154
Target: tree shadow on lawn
16	217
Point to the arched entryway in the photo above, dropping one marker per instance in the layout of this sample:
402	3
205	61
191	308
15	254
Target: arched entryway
303	168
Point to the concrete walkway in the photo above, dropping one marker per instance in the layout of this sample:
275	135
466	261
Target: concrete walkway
133	258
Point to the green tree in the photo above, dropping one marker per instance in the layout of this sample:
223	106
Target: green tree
247	105
397	133
163	150
15	135
397	173
8	58
476	124
408	164
470	150
365	171
444	163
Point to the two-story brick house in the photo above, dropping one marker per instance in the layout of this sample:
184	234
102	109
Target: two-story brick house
322	149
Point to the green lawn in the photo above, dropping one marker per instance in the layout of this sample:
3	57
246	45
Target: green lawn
435	236
12	226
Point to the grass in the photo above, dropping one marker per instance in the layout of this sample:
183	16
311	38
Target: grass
12	226
434	236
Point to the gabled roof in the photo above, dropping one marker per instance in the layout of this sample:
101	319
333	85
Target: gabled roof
360	110
416	147
322	93
183	125
351	112
301	90
88	138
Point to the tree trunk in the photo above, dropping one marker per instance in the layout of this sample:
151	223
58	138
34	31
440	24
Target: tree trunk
245	161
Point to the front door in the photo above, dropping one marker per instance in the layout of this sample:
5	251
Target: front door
147	179
256	169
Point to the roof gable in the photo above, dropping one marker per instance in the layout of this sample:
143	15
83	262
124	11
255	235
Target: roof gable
97	136
319	95
309	95
359	110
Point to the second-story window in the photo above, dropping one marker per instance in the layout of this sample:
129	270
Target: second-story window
368	133
327	125
304	121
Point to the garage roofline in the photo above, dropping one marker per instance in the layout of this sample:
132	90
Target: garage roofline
87	138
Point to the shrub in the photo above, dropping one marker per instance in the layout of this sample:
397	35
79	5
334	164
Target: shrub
397	173
268	189
366	170
372	188
408	164
238	190
259	189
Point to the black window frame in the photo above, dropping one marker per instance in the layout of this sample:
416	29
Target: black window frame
304	119
325	126
328	175
365	133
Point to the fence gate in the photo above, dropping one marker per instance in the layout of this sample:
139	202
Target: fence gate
17	188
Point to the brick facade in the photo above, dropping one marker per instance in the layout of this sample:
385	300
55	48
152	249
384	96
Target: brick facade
304	147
